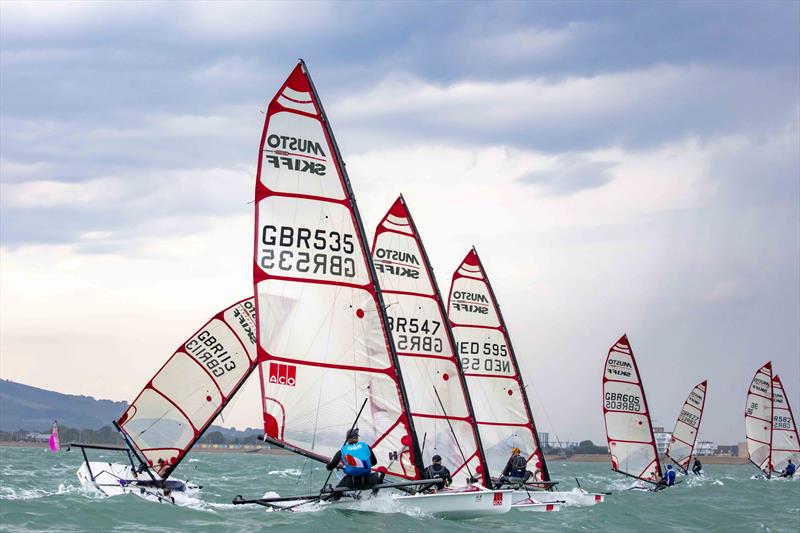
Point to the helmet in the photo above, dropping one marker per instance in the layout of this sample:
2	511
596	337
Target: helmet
669	467
515	450
436	458
352	433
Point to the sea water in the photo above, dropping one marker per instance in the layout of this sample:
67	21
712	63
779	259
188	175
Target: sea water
39	492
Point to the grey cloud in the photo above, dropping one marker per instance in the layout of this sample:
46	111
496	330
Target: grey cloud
571	173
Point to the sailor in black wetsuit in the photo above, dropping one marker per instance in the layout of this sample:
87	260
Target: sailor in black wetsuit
357	459
438	471
697	468
515	471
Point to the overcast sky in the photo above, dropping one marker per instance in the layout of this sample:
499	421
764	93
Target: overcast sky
620	167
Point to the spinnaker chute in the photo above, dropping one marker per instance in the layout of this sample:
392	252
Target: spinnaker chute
785	440
175	407
684	436
323	344
758	416
631	443
493	377
434	382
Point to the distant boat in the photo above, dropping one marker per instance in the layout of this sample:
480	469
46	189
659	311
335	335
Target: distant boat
631	442
55	440
684	436
772	438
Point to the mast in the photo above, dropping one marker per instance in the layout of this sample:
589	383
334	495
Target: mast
417	453
514	363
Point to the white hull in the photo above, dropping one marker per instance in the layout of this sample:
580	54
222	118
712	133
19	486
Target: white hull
576	498
114	479
531	505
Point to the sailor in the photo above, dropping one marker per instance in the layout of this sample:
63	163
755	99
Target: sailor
357	459
438	471
789	470
515	471
697	468
669	477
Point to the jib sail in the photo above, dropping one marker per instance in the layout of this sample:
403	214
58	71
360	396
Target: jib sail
425	347
758	419
684	436
785	441
490	367
192	387
323	346
628	428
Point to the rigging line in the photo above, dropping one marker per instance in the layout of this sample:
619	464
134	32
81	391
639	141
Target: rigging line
546	415
466	463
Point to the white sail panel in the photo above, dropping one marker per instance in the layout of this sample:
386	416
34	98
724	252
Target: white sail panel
628	427
684	436
758	418
322	345
492	373
433	382
785	440
192	387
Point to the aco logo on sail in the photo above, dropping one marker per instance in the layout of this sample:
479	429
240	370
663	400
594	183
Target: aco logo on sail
283	374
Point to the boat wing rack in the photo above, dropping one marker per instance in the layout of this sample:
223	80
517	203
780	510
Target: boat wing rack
84	447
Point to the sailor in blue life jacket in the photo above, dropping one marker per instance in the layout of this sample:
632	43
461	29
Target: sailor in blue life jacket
357	460
789	470
669	477
516	468
438	471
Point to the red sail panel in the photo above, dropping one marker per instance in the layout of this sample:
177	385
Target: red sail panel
684	436
785	440
629	430
758	419
425	347
174	409
492	374
322	341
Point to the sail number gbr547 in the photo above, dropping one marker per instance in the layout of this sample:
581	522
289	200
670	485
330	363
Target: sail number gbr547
299	250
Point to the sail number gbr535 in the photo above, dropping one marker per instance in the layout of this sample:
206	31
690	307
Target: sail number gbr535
299	250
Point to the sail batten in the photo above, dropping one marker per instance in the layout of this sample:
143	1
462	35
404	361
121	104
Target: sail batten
192	387
631	443
491	369
434	384
323	345
687	427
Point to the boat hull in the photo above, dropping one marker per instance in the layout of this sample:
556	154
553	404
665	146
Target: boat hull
458	503
577	498
114	479
529	505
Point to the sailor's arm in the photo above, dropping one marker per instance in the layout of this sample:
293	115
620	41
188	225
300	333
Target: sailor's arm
372	459
335	460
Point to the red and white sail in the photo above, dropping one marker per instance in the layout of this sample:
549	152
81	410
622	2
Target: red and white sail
785	440
189	391
684	436
492	374
631	443
322	343
425	346
758	414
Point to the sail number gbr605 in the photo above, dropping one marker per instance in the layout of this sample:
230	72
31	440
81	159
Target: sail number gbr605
305	251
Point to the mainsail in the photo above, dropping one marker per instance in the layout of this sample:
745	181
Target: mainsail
631	443
492	374
425	347
55	440
323	345
192	387
785	440
758	419
684	436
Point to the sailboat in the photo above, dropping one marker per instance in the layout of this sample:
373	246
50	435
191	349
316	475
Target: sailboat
684	436
772	438
175	408
323	337
55	440
497	389
631	443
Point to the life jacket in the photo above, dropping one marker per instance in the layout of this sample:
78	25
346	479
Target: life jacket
669	475
356	459
518	464
790	469
437	472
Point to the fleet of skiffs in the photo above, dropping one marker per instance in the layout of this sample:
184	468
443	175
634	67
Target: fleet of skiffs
345	334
